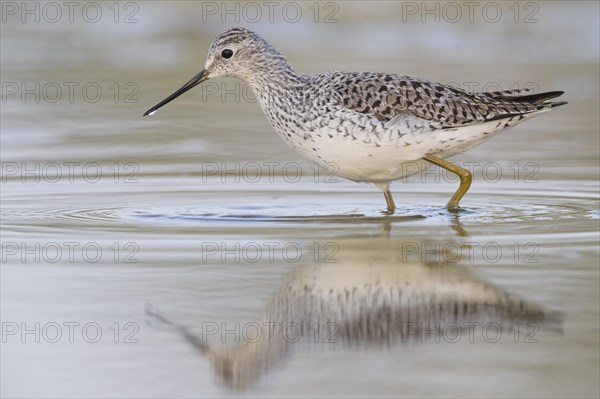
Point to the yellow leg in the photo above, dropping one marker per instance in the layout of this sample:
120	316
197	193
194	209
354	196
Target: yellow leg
390	201
465	179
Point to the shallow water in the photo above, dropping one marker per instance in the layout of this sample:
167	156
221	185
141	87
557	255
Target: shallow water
175	236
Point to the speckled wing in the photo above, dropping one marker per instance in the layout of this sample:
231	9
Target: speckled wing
412	103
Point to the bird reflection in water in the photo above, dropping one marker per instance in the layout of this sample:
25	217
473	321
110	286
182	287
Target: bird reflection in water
381	292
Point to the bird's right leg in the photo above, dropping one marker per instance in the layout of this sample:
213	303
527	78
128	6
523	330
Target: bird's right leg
465	179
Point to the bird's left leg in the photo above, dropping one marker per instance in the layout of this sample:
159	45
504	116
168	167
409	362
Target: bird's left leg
385	187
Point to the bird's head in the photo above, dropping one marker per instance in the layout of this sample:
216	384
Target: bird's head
237	52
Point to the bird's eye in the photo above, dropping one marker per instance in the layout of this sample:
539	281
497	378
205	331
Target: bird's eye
226	53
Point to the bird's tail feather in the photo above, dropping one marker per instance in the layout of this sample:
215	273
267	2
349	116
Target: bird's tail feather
537	99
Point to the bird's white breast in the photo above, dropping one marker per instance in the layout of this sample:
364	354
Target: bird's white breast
361	158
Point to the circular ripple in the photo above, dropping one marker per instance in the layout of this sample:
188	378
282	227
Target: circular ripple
254	213
485	213
495	208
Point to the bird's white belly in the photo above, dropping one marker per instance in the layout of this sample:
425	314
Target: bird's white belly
386	159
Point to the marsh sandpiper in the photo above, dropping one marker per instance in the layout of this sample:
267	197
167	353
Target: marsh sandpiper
372	127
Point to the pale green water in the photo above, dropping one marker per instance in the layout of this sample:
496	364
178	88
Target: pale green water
143	198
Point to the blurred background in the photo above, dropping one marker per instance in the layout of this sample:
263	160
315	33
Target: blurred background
105	211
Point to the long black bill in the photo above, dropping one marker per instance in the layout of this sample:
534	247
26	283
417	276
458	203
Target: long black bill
196	80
